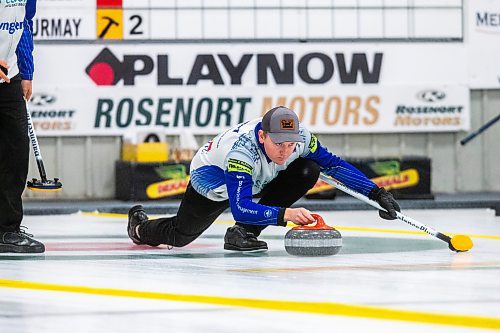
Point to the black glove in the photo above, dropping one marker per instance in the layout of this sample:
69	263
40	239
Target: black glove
386	200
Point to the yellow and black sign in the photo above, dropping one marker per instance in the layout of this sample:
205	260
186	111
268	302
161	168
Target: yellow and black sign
147	181
109	23
406	178
167	188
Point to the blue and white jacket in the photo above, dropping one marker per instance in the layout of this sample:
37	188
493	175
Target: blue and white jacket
16	38
235	166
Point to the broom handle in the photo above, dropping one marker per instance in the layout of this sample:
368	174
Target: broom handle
36	147
481	129
414	223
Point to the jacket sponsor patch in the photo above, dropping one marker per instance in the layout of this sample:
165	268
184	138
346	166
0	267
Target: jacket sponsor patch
239	166
313	145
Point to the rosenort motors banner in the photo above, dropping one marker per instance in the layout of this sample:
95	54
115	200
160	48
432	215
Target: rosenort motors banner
207	88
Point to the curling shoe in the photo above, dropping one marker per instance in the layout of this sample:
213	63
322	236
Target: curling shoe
238	239
136	216
19	242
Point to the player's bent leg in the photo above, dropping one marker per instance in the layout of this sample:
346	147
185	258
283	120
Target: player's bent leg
165	231
196	213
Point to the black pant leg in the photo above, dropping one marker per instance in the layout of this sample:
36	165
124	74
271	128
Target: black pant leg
196	213
288	187
14	154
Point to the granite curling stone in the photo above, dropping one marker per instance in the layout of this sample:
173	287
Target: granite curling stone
316	240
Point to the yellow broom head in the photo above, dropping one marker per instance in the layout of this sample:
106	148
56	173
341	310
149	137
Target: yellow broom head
461	243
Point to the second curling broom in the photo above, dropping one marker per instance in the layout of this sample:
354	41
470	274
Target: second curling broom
44	184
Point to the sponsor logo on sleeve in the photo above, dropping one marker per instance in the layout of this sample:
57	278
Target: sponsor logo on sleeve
11	27
313	145
239	166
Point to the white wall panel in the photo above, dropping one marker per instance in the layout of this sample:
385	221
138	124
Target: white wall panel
163	3
345	3
241	24
396	23
491	104
345	23
470	172
267	23
371	23
396	3
371	3
437	23
189	23
135	3
319	3
423	3
241	3
164	24
189	3
269	3
216	3
215	23
293	23
319	23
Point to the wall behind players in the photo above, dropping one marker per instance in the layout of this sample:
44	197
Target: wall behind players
469	26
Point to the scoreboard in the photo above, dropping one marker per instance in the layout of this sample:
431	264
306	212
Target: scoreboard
112	19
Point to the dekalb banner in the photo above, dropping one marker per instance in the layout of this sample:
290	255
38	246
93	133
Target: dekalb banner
334	88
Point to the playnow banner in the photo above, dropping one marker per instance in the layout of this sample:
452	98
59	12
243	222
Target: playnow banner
334	88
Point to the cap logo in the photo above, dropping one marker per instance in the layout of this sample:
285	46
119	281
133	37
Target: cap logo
287	124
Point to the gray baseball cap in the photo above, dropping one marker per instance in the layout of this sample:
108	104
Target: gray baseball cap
282	124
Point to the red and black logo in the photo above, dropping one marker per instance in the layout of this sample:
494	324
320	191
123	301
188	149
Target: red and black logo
107	70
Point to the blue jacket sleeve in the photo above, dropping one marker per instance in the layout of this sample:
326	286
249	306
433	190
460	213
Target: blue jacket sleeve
239	188
24	50
339	169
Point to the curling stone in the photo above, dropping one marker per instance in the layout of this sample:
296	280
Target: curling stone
316	240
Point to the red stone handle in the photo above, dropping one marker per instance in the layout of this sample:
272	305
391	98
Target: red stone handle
320	224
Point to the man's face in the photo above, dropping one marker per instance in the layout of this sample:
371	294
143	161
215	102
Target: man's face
277	152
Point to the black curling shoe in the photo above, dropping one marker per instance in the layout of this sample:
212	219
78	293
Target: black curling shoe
136	216
19	242
238	239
